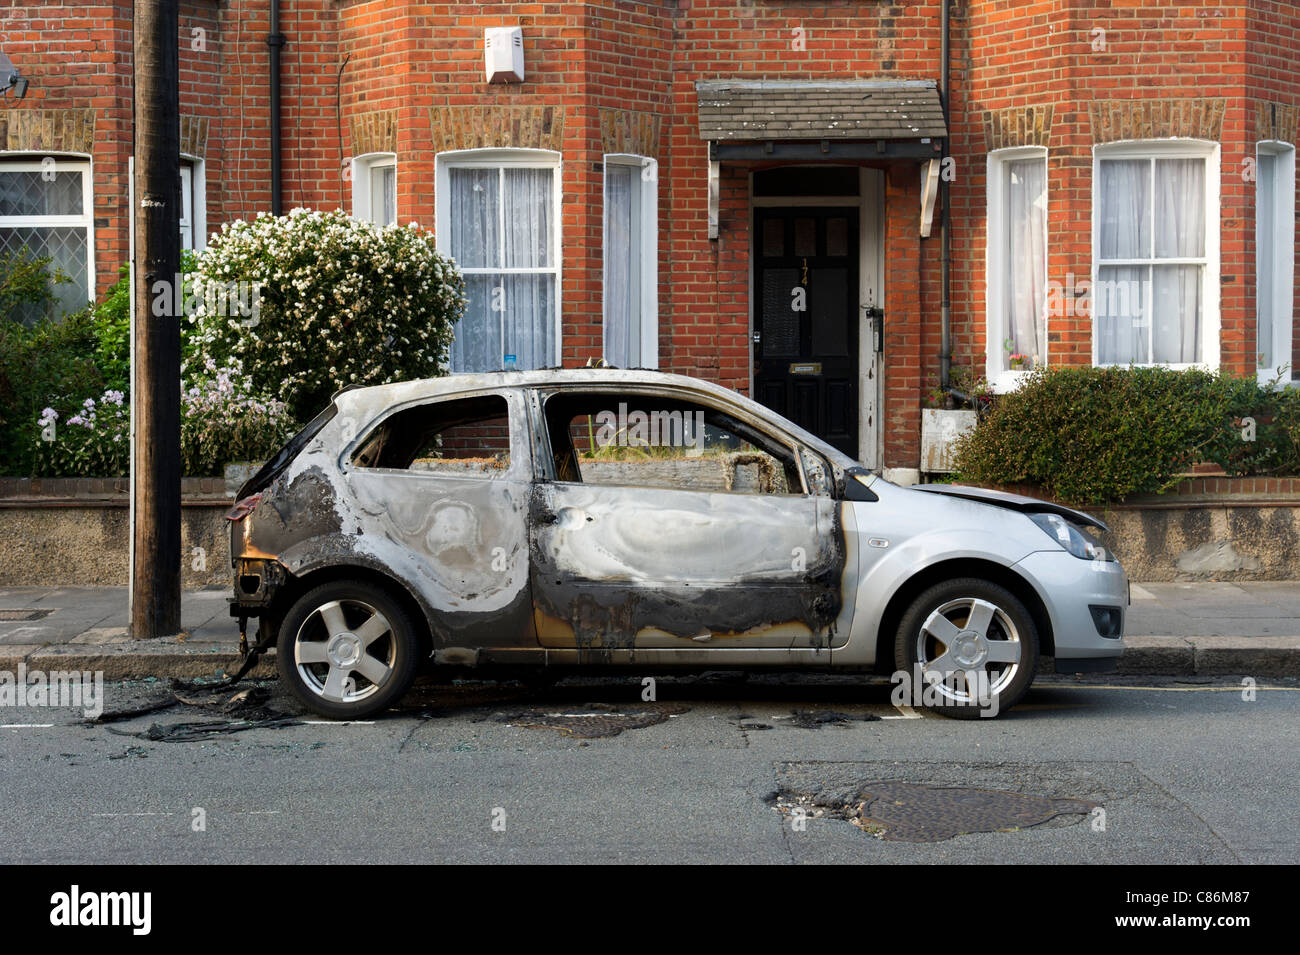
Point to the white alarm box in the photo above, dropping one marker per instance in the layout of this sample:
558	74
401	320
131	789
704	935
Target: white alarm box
503	49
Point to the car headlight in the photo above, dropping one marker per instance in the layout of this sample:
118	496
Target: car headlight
1074	539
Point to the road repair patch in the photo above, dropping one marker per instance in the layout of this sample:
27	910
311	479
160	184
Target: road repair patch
591	720
913	812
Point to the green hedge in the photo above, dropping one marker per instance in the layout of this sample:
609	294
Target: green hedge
1094	435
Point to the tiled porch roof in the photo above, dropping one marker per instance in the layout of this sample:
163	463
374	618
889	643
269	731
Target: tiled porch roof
732	110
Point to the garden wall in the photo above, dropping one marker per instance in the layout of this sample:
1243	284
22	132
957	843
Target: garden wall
1208	528
69	531
60	532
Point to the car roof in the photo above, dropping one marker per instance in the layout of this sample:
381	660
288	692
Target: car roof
474	381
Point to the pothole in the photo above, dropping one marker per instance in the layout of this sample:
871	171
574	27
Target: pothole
814	719
898	811
590	720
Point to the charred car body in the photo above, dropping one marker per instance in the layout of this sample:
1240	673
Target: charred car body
604	517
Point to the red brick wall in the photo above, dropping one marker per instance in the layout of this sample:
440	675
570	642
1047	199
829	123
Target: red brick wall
410	57
75	57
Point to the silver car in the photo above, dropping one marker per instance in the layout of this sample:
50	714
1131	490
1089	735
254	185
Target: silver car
597	517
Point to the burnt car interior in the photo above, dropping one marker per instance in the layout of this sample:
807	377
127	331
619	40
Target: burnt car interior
653	441
466	435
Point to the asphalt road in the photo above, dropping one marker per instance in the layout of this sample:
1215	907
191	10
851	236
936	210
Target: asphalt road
1185	773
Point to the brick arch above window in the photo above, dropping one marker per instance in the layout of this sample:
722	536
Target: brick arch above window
497	127
1183	117
1276	122
48	130
374	132
194	136
629	132
1018	126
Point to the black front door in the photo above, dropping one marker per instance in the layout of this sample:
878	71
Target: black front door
805	321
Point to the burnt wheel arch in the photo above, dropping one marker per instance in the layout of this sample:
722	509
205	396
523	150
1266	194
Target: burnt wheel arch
297	585
948	570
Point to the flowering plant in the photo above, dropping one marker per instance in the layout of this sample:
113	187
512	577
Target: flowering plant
1019	360
95	441
222	420
334	302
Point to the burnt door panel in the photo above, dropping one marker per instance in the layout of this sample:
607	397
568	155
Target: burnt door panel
805	326
623	568
449	516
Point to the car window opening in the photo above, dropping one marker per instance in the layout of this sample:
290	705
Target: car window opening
468	436
650	441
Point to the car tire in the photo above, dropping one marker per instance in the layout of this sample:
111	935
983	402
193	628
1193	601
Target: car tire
968	634
347	649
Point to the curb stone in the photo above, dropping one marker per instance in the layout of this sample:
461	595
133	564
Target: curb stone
1144	656
136	662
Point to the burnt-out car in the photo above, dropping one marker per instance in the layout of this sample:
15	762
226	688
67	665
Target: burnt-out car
599	517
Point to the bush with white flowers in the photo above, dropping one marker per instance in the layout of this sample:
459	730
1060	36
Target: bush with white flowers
313	301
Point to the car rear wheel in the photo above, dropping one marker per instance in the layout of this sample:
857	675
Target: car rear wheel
347	649
966	648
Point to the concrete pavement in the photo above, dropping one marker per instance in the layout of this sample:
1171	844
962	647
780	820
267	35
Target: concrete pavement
1175	629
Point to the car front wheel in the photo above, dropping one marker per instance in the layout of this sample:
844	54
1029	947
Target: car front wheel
347	649
966	648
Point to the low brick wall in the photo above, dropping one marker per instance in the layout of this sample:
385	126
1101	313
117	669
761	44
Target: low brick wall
74	531
1207	528
59	532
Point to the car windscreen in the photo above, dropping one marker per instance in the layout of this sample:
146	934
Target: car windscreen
272	469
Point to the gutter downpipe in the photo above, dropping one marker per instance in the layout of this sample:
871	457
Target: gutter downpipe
945	279
275	41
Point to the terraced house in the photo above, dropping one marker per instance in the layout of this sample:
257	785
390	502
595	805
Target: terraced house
834	206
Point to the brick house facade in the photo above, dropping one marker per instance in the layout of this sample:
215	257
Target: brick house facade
736	189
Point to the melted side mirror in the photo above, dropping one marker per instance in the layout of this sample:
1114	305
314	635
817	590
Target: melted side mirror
857	490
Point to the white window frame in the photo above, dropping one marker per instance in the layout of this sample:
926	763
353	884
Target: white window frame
1282	245
363	173
504	159
1152	149
198	195
645	226
1001	377
29	162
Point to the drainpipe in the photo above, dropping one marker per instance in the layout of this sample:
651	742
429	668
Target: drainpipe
275	41
945	240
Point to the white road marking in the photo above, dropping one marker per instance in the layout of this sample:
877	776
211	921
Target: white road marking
25	726
339	722
1236	688
1141	593
237	812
